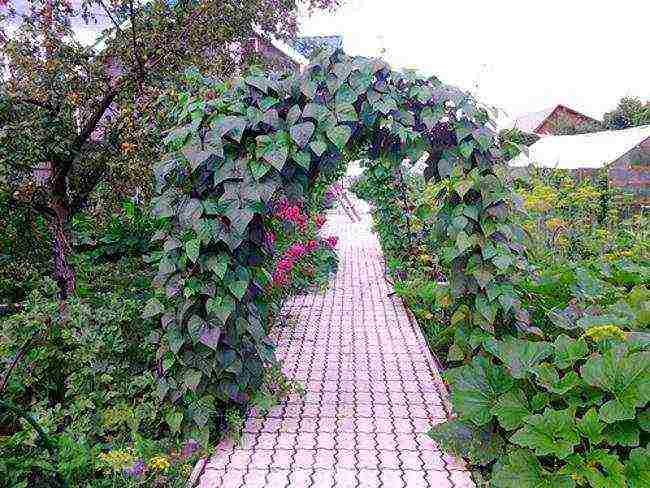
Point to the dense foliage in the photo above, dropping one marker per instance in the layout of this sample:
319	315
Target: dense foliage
77	114
567	404
86	372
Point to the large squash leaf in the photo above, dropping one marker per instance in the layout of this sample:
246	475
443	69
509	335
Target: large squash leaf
553	432
626	377
476	389
520	356
477	445
521	469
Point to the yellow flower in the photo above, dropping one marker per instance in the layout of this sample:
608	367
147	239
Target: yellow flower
554	223
117	460
159	463
605	332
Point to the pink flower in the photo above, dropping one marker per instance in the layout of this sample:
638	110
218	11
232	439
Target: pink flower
319	220
312	245
296	251
331	241
291	213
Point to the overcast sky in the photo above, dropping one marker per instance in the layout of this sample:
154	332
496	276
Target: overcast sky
525	56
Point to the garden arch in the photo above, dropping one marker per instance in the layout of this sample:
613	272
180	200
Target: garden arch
239	145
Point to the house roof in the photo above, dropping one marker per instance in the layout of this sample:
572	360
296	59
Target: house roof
593	150
532	121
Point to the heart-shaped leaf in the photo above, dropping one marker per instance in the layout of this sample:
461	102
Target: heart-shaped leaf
318	146
303	159
210	337
192	249
192	378
301	133
339	135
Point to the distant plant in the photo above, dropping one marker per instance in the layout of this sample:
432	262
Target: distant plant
512	141
630	112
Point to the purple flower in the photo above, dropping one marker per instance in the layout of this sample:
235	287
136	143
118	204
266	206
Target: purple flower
137	470
190	447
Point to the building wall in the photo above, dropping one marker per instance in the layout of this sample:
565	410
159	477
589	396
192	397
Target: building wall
631	172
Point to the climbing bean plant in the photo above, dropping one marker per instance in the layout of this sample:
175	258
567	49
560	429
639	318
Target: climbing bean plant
241	145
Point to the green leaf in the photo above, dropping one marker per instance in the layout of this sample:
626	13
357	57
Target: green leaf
548	377
276	154
520	355
220	307
644	419
568	351
511	409
192	249
345	112
625	433
597	469
551	433
267	102
303	159
477	388
152	308
520	469
591	427
175	340
478	446
218	265
195	326
318	146
192	378
301	133
431	117
174	419
624	376
637	468
339	135
238	284
466	149
258	168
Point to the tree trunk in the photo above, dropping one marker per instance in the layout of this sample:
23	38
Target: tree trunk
64	273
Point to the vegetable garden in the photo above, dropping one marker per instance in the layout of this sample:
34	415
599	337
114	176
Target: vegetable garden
549	378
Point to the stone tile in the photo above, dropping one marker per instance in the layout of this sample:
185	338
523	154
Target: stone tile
369	394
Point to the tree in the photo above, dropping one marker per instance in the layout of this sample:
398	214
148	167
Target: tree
630	112
74	115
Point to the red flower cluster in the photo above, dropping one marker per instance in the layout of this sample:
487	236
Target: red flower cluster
319	220
288	261
292	213
331	241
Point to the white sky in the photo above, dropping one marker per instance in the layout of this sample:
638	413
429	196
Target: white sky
525	55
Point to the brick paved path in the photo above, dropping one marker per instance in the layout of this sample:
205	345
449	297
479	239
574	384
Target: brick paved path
370	394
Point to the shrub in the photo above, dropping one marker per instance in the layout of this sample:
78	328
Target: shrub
563	402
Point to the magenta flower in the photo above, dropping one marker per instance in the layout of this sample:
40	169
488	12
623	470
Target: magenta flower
189	448
331	241
137	470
